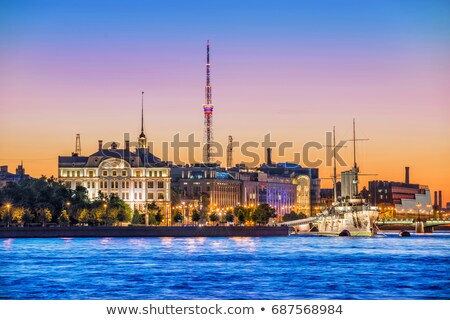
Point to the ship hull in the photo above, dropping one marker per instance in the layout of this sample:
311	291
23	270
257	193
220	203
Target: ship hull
351	223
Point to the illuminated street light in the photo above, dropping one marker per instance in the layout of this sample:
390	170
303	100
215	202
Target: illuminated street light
106	212
8	206
418	210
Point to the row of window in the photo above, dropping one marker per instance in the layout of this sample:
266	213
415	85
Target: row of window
124	173
114	173
137	196
126	184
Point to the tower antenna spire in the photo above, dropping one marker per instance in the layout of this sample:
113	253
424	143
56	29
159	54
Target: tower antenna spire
208	108
208	91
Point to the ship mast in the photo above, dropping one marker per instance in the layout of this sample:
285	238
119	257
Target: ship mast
355	167
334	166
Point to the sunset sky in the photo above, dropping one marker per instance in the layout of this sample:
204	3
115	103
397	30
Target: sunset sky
291	68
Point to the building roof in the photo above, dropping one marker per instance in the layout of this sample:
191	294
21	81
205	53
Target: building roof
143	158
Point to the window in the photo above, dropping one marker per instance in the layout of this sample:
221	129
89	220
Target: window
123	184
124	173
128	184
138	173
135	184
78	173
160	184
140	184
89	184
91	174
150	196
93	184
140	196
150	184
160	196
114	173
105	173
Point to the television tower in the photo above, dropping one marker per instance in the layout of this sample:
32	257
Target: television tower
208	108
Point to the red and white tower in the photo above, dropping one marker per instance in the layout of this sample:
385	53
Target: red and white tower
208	108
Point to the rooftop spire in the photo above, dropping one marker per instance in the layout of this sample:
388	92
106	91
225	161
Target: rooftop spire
142	115
142	138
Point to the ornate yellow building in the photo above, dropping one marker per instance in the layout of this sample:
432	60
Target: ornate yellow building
138	178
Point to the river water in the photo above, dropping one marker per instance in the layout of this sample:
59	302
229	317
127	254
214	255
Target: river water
295	267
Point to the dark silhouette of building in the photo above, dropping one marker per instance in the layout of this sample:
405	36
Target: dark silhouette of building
8	177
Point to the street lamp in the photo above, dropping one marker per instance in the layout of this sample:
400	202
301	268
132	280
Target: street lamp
8	206
106	212
429	211
418	211
68	211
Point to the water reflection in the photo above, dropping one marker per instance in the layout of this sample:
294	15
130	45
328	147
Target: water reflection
226	268
7	243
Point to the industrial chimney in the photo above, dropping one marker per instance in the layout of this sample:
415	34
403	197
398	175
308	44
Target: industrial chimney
440	199
100	145
407	175
269	156
435	199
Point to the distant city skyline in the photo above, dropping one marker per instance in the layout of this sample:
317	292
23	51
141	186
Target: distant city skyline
293	69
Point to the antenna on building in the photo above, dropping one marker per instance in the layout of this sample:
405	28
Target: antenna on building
208	113
230	152
78	145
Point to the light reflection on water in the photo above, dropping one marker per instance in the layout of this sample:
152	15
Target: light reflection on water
226	268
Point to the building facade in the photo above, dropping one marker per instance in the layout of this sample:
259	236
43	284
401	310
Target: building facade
138	178
301	177
278	192
208	185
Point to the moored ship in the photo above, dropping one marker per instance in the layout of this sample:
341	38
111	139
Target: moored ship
350	215
349	218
